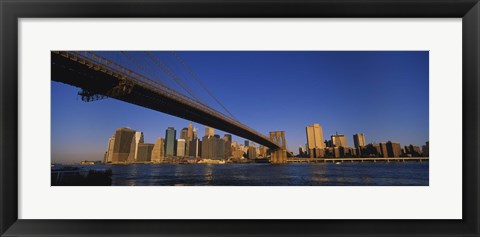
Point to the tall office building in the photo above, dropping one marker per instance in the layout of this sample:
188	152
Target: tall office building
122	145
359	140
339	140
394	149
170	141
190	132
195	148
181	147
315	140
246	143
134	147
301	151
220	153
206	147
209	131
184	134
158	152
213	148
237	151
109	155
252	152
195	134
371	150
384	150
227	139
413	150
188	139
144	152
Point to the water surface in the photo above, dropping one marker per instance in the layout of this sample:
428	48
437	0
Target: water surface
297	174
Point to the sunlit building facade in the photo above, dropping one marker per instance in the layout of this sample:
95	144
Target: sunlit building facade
252	152
209	131
359	140
315	140
339	140
144	153
109	153
181	147
134	146
213	148
122	145
158	152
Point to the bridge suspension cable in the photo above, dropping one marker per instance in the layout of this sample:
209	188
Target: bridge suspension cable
172	75
194	76
141	67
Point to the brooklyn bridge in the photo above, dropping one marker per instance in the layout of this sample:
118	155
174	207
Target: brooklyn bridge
98	77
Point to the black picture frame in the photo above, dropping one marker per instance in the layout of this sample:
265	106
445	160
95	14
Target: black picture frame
11	11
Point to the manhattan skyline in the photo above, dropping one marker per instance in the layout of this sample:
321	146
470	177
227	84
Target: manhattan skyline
381	94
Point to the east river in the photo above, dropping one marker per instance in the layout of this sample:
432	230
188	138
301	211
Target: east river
296	174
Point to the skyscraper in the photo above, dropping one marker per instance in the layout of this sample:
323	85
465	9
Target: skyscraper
190	132
134	147
227	138
246	143
300	151
359	140
181	147
209	132
206	147
413	150
188	139
109	155
383	149
371	150
219	145
170	141
213	147
144	152
195	134
122	145
339	140
195	148
315	140
184	134
252	152
158	152
394	149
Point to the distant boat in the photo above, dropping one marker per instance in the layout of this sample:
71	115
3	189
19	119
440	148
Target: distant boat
337	163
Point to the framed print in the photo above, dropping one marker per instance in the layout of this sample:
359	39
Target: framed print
239	118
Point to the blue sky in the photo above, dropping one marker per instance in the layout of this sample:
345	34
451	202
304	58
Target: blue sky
383	94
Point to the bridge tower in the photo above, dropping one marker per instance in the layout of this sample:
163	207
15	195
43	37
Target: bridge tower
278	156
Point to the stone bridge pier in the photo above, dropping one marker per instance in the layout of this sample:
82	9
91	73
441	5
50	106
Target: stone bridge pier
278	156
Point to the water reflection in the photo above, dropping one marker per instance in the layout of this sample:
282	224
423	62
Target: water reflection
352	174
208	173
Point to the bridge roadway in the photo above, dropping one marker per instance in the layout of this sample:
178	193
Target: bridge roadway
99	77
334	160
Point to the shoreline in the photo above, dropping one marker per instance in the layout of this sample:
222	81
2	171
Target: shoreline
289	161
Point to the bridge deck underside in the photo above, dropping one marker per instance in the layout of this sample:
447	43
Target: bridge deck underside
79	75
